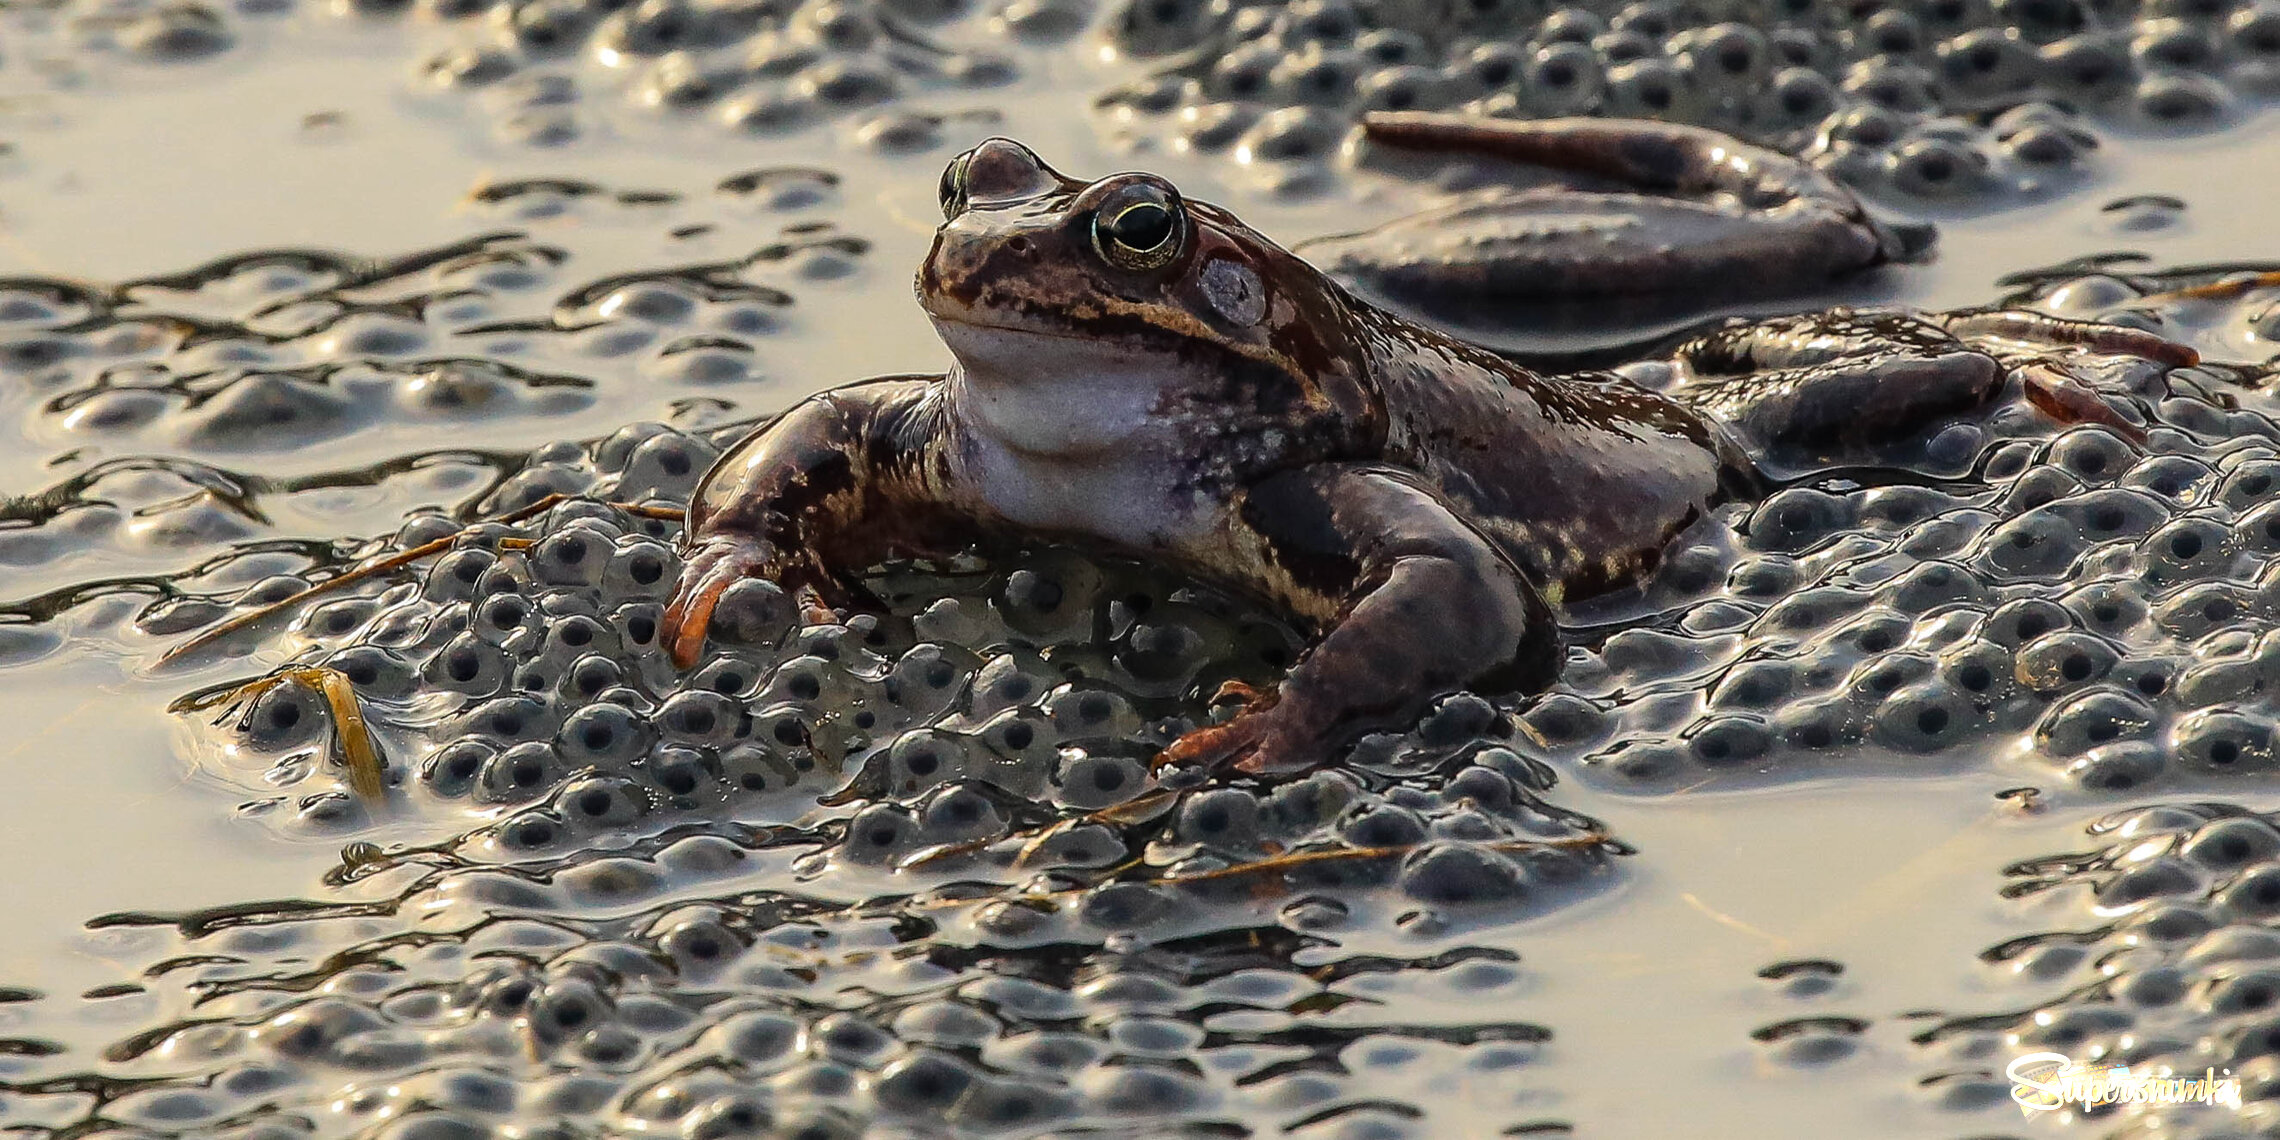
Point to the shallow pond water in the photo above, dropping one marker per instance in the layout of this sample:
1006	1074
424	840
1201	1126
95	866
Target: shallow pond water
285	285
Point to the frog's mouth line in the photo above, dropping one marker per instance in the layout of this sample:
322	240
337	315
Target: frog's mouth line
1003	354
967	324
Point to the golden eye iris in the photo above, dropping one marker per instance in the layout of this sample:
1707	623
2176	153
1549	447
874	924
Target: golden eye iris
1143	235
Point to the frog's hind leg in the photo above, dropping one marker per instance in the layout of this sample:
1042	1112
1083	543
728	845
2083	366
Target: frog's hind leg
2023	340
1695	212
1825	379
1842	377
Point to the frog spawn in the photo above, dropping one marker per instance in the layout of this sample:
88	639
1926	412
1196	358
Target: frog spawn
750	69
270	352
2168	967
1004	727
2087	605
275	351
632	844
699	1005
534	68
193	407
1420	834
1924	102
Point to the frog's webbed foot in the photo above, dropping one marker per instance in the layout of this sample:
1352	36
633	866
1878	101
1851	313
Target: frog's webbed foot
2025	342
707	571
1699	213
1232	743
1416	604
1845	377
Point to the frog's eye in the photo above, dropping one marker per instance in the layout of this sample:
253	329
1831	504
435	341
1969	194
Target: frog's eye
953	188
1139	234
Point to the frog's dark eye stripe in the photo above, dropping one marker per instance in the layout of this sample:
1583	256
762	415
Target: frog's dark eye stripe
953	188
1139	235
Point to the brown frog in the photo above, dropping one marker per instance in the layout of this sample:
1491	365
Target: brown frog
1695	220
1145	372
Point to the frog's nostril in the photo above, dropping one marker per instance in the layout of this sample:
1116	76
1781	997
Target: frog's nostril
1020	246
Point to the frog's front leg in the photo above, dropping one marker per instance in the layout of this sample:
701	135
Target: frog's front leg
1711	217
843	480
1413	602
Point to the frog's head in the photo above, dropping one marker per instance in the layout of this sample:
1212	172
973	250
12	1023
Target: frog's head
1033	271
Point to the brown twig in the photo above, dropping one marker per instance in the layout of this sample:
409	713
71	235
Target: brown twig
2217	290
366	773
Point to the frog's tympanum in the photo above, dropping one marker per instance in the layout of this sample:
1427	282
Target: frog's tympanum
1145	372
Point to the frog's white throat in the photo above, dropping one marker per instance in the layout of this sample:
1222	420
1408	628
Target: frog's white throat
1048	395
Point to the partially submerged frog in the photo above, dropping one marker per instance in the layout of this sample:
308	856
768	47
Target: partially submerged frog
1145	372
1697	219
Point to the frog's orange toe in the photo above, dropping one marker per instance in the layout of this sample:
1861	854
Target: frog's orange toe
1216	745
1245	741
1241	693
686	621
707	574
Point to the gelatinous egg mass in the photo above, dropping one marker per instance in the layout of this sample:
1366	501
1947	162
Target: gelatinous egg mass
912	870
